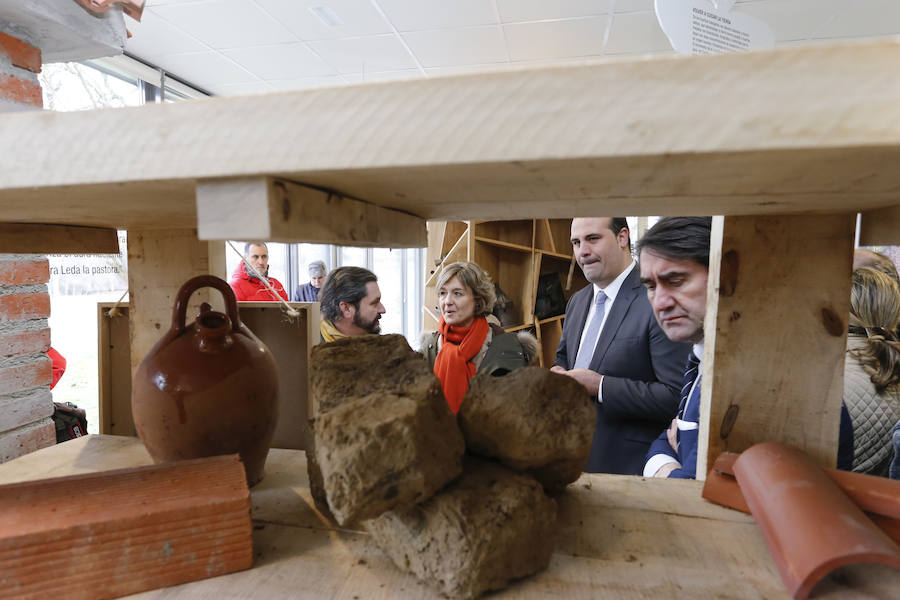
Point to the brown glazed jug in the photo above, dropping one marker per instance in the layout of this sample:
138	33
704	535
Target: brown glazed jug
209	388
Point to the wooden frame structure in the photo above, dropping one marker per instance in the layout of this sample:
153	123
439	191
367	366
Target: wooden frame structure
786	145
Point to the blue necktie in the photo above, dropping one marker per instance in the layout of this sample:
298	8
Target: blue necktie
690	375
586	352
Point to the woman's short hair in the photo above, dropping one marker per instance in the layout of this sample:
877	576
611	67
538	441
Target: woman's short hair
473	277
875	313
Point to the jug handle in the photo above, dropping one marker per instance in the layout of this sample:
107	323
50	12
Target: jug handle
194	284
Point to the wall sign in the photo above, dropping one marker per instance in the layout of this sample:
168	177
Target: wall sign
708	27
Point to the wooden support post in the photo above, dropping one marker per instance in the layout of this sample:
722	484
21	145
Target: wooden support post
33	238
775	334
880	227
271	209
159	262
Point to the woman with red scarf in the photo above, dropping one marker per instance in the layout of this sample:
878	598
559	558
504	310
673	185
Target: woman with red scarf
469	339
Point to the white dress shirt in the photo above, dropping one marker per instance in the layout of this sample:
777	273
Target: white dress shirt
611	291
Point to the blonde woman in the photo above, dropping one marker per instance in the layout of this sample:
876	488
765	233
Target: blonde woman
871	372
469	339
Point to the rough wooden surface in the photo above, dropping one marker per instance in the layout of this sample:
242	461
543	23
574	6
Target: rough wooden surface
619	537
775	335
29	238
813	128
119	532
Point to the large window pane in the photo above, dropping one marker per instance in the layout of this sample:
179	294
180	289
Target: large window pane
388	266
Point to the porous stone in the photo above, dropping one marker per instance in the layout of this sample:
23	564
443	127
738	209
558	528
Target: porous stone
532	420
350	368
487	528
387	450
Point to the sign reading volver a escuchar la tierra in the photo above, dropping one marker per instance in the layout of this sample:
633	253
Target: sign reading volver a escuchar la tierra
707	27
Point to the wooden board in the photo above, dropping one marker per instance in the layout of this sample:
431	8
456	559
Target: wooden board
618	537
880	227
28	238
289	341
776	329
669	135
266	208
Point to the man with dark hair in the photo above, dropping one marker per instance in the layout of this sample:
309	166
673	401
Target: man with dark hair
612	345
674	257
248	282
350	304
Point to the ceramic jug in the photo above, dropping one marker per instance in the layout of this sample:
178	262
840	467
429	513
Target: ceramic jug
207	388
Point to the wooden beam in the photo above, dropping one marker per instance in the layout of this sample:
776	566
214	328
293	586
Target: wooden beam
775	334
266	208
880	227
159	262
32	238
670	135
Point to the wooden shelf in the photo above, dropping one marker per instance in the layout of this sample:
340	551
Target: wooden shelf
502	244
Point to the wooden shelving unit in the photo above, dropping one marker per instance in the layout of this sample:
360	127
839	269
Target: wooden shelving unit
515	254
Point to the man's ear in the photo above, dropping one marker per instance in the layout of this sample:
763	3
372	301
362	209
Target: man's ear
624	238
346	310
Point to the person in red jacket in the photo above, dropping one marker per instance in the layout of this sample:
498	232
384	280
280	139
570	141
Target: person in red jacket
246	285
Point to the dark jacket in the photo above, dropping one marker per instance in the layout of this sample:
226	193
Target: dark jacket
306	293
642	371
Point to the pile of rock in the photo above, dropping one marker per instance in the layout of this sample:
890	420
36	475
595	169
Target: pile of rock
390	454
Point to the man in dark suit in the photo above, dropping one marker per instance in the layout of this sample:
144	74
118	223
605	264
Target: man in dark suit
613	346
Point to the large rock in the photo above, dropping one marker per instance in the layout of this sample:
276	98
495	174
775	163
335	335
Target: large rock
387	450
531	420
350	368
487	528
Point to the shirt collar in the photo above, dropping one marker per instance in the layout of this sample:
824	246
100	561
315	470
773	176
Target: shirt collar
612	290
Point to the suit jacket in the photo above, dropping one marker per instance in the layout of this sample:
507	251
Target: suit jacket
642	372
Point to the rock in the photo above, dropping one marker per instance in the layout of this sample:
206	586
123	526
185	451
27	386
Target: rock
387	450
487	528
532	420
350	368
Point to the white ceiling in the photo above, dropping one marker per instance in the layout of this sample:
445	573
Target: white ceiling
230	47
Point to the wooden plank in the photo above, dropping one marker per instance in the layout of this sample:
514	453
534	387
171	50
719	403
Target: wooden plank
266	208
32	238
114	369
120	532
290	342
159	262
775	334
618	537
496	145
880	227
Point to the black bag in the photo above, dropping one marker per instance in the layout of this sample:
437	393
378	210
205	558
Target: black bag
550	300
71	421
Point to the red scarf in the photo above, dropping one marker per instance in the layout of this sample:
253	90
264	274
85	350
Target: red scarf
453	364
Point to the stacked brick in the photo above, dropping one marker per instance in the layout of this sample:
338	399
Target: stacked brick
25	369
20	62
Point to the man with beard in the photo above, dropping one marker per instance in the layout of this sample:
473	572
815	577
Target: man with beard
350	304
612	345
246	281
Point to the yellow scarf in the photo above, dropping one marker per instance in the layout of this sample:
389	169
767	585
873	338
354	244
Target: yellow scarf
329	332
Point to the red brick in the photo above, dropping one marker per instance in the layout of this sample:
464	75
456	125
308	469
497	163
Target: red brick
24	271
20	91
21	54
29	375
18	307
24	342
